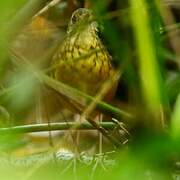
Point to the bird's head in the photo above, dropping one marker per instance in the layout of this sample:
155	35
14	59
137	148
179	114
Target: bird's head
82	19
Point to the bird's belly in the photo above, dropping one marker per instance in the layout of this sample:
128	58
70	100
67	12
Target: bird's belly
86	75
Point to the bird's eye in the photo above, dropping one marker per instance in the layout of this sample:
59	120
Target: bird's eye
73	19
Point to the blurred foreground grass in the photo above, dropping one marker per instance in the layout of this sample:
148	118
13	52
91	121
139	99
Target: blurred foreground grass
138	36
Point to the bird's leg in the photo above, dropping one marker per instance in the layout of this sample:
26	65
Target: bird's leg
38	108
100	117
78	118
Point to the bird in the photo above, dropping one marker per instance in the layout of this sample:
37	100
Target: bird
81	60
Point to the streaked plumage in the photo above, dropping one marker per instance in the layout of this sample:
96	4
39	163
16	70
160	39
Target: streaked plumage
82	61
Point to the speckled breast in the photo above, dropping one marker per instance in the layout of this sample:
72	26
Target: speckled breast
82	62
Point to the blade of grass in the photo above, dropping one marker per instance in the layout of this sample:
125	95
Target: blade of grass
54	127
175	119
76	95
148	66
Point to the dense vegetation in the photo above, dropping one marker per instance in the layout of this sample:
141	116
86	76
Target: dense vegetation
138	137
